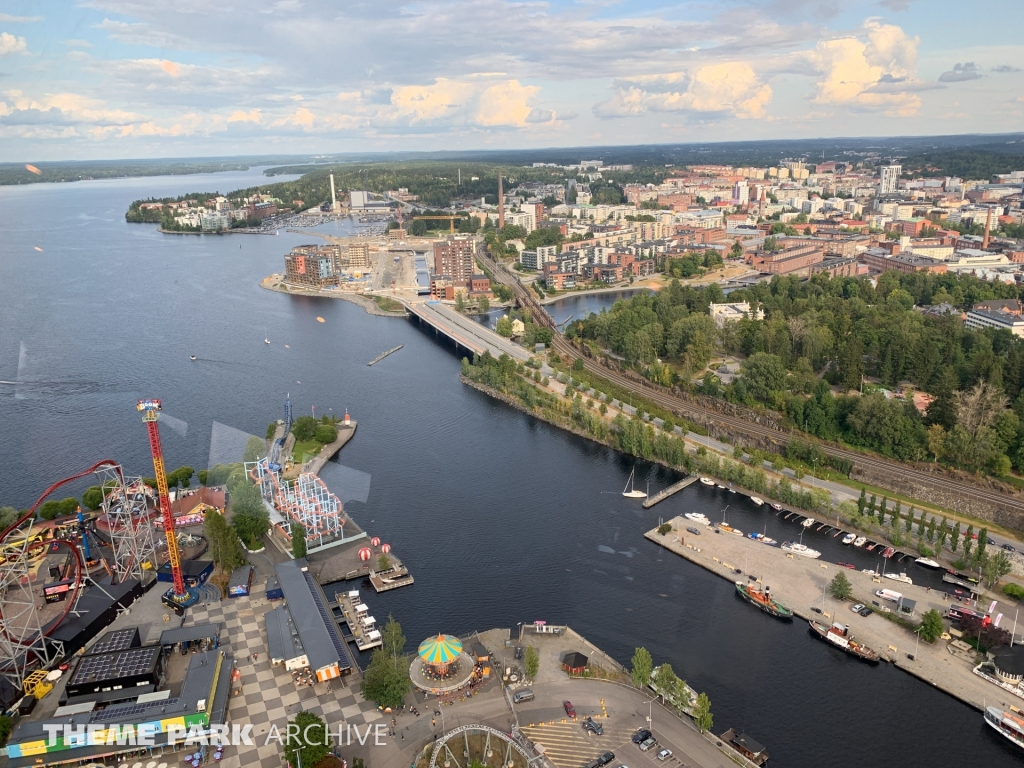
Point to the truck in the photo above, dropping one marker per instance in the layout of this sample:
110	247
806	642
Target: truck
888	594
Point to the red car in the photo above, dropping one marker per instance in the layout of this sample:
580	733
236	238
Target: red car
569	709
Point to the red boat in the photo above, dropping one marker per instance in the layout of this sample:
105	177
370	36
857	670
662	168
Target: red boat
889	552
848	565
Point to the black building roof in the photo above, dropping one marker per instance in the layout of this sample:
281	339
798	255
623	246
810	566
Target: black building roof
575	660
188	634
1009	660
241	576
314	622
130	662
748	743
117	640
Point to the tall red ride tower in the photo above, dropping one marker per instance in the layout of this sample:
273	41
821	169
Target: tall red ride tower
150	410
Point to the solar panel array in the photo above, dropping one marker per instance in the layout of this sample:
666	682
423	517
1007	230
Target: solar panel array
129	713
111	666
118	640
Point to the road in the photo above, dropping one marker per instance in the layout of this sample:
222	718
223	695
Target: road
666	399
471	332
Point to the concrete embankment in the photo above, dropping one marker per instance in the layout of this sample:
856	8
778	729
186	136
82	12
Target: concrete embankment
801	584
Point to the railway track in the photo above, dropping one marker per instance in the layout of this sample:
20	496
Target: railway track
686	409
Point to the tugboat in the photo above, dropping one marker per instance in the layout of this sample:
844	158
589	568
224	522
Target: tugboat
839	635
763	600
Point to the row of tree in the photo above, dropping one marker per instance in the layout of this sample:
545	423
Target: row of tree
827	334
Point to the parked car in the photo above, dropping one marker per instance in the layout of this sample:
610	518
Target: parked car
606	758
641	736
569	710
646	746
857	608
665	754
519	651
865	611
694	531
815	609
596	728
524	695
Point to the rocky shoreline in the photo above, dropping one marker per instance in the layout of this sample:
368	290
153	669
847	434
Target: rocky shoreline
363	301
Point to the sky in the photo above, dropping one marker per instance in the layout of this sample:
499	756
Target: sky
104	79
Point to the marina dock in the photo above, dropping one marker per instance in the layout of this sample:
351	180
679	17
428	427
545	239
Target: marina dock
342	563
362	627
672	489
801	584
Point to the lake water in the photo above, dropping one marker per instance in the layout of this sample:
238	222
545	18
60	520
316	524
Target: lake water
501	518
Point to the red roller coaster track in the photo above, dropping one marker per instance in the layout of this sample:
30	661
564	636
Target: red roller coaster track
15	527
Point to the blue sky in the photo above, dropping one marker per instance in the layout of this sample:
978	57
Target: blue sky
136	78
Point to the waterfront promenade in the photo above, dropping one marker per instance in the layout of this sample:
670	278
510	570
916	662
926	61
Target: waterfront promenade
801	584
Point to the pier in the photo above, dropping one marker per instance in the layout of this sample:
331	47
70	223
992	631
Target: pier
466	334
380	357
345	433
362	627
344	564
801	584
672	489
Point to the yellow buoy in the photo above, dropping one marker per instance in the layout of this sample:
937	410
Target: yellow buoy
320	320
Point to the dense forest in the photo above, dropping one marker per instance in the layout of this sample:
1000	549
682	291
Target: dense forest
964	163
834	354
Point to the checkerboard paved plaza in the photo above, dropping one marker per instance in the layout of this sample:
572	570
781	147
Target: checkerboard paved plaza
269	695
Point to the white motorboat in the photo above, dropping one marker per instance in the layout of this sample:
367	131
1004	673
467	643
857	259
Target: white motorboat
707	481
757	501
807	523
849	538
776	507
719	487
899	577
629	491
697	517
797	548
860	541
192	358
762	538
927	562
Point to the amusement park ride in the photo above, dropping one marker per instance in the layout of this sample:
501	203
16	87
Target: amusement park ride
26	642
177	597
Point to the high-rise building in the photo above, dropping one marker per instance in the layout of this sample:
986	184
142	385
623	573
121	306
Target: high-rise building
455	258
358	255
889	182
741	193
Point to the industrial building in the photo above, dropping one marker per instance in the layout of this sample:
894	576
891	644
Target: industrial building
303	633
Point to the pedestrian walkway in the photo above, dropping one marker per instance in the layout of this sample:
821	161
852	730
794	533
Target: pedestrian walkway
269	694
568	745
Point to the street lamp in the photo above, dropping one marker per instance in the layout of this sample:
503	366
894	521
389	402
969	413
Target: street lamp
650	714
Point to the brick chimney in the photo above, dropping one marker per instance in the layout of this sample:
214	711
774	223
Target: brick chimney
988	228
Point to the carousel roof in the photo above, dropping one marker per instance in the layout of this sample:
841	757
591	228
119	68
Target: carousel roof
443	649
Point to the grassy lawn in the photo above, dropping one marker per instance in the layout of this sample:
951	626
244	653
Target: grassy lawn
305	450
388	304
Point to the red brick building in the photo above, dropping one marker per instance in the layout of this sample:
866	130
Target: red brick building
455	258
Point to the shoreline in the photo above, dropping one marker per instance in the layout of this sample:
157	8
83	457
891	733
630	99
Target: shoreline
368	304
789	577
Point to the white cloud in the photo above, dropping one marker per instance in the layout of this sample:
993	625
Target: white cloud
10	44
505	104
6	17
866	74
431	102
729	89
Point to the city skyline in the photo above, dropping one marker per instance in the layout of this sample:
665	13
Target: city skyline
121	78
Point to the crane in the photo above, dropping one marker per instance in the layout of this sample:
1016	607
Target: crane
150	410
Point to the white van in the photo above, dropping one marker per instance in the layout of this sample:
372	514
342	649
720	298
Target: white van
888	594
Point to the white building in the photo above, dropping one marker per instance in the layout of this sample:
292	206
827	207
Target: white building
724	313
741	193
889	181
982	318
